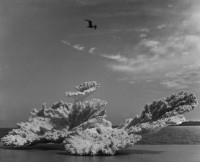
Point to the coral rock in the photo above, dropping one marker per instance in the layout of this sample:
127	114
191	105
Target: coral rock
52	124
82	128
161	113
99	140
83	91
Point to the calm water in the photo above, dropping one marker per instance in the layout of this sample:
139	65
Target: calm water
188	136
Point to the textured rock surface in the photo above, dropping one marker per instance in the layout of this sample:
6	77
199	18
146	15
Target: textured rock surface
81	126
99	140
83	91
53	124
161	113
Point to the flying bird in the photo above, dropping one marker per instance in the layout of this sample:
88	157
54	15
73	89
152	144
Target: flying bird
90	25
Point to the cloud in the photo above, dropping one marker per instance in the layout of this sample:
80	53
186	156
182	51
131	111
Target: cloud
149	43
65	42
178	84
161	26
75	46
167	60
183	77
143	35
173	59
145	30
118	58
91	50
78	47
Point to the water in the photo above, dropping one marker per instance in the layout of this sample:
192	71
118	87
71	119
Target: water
153	148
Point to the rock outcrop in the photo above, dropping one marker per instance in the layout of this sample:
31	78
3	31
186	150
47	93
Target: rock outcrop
161	113
99	140
83	91
53	124
82	128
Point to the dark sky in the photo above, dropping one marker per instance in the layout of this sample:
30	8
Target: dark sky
142	50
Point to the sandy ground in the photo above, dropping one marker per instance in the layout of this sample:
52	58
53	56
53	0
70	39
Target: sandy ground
140	153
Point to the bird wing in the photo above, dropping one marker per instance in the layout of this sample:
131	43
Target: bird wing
89	21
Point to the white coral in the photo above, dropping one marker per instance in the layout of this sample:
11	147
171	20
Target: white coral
81	126
48	124
99	140
161	113
83	91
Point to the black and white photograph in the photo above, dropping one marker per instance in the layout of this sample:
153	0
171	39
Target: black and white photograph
99	80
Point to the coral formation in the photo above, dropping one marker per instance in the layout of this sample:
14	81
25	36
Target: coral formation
99	140
83	91
161	113
82	128
53	124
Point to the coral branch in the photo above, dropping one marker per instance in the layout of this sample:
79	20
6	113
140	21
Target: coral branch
99	140
53	124
83	91
161	113
81	126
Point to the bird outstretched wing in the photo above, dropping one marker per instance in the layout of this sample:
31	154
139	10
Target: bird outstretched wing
89	21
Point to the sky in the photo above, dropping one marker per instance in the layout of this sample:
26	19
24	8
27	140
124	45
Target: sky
142	50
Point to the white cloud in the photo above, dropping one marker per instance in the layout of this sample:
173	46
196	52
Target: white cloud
149	43
177	84
163	59
143	35
75	46
118	58
78	47
91	50
161	26
145	30
173	60
65	42
183	77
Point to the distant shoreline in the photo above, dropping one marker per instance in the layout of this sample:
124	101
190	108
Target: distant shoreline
189	123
